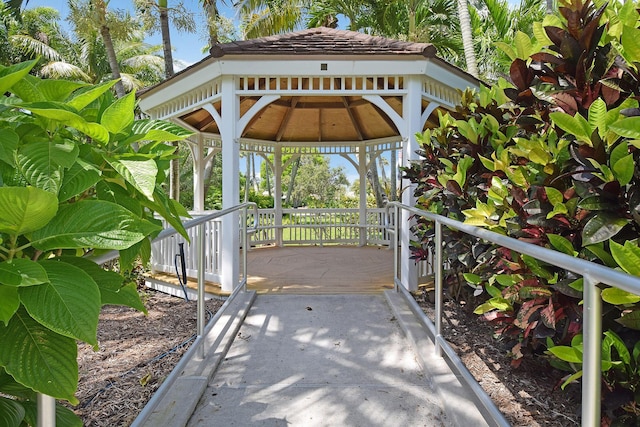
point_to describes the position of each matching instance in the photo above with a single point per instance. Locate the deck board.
(311, 270)
(320, 270)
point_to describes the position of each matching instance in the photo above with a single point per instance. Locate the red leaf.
(454, 187)
(566, 102)
(555, 34)
(610, 95)
(548, 315)
(519, 73)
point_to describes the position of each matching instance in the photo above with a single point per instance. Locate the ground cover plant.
(71, 184)
(550, 158)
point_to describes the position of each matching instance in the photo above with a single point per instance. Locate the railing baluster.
(438, 287)
(591, 362)
(201, 266)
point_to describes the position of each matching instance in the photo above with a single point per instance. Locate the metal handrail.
(592, 273)
(46, 404)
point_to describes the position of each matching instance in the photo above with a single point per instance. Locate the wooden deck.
(309, 270)
(320, 270)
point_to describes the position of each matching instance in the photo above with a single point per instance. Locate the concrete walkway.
(314, 360)
(319, 361)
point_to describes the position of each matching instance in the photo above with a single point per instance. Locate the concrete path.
(320, 360)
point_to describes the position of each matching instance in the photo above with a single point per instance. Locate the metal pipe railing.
(592, 273)
(46, 404)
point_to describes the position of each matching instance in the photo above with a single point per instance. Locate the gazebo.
(319, 90)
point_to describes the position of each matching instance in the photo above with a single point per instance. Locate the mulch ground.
(137, 352)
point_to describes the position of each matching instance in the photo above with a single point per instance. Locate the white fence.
(299, 227)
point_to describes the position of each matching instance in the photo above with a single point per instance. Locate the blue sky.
(187, 47)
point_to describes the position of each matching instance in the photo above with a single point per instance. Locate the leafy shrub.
(550, 159)
(70, 185)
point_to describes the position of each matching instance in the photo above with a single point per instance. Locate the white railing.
(593, 274)
(320, 226)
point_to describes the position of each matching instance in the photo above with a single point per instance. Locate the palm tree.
(467, 37)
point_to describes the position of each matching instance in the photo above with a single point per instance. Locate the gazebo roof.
(323, 41)
(312, 87)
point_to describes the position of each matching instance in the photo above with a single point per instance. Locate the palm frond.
(64, 70)
(33, 47)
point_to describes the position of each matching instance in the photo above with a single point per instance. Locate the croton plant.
(549, 157)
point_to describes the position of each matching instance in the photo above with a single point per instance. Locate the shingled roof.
(323, 41)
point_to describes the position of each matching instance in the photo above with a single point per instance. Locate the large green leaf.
(13, 74)
(628, 127)
(69, 304)
(11, 412)
(93, 224)
(119, 116)
(575, 125)
(9, 302)
(8, 385)
(158, 130)
(80, 177)
(561, 244)
(25, 209)
(597, 116)
(163, 206)
(141, 173)
(629, 39)
(58, 90)
(39, 358)
(630, 320)
(568, 354)
(110, 284)
(623, 169)
(37, 162)
(57, 112)
(602, 226)
(114, 193)
(617, 296)
(22, 272)
(627, 256)
(8, 145)
(85, 97)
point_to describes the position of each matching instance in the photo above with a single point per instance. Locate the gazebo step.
(169, 284)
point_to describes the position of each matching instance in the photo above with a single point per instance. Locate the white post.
(277, 193)
(230, 265)
(411, 113)
(362, 172)
(46, 411)
(198, 174)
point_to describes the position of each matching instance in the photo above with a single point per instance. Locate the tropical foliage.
(550, 158)
(70, 186)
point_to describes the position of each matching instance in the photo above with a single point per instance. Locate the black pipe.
(183, 280)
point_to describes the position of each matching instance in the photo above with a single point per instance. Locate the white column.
(411, 113)
(230, 263)
(198, 174)
(362, 173)
(277, 193)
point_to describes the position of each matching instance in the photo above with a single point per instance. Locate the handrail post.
(591, 362)
(395, 245)
(245, 216)
(46, 411)
(201, 266)
(438, 287)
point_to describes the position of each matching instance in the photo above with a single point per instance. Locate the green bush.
(550, 158)
(70, 185)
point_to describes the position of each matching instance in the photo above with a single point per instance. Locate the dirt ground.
(137, 353)
(529, 395)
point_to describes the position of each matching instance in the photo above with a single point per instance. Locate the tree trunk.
(211, 11)
(292, 181)
(374, 180)
(101, 10)
(467, 38)
(166, 39)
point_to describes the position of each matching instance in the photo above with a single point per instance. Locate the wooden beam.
(355, 123)
(286, 118)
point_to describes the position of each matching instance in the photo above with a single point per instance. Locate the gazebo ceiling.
(309, 119)
(319, 86)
